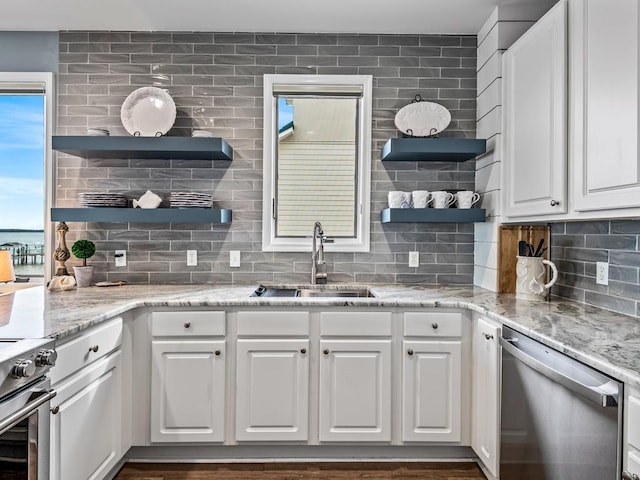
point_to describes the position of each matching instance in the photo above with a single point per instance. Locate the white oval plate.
(148, 112)
(422, 119)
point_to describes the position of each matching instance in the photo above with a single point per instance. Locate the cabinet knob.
(326, 351)
(187, 325)
(94, 349)
(554, 203)
(434, 326)
(55, 409)
(410, 352)
(303, 351)
(488, 336)
(626, 475)
(217, 352)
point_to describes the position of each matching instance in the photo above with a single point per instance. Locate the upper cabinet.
(535, 153)
(604, 54)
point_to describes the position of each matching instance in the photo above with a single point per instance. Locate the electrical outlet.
(414, 259)
(121, 258)
(602, 273)
(192, 258)
(234, 258)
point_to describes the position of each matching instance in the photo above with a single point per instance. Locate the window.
(317, 154)
(26, 172)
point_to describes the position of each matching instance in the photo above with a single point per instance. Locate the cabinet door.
(604, 53)
(86, 428)
(431, 391)
(187, 391)
(272, 390)
(535, 153)
(355, 390)
(486, 393)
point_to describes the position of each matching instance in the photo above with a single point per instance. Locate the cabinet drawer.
(190, 324)
(633, 422)
(359, 324)
(433, 324)
(87, 348)
(287, 323)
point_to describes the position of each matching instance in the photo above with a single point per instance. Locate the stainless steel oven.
(25, 395)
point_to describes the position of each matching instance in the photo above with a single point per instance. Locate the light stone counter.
(605, 340)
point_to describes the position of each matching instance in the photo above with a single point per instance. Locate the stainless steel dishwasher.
(560, 420)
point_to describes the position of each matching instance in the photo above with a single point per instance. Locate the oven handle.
(601, 395)
(43, 397)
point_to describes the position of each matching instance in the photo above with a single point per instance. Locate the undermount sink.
(308, 292)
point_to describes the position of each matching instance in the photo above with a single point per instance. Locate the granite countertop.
(605, 340)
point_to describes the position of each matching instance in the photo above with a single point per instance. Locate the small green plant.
(83, 249)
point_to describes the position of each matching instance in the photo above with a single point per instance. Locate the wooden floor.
(300, 471)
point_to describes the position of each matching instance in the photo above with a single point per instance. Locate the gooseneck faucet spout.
(318, 265)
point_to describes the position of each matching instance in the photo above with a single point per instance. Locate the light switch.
(192, 258)
(121, 258)
(234, 258)
(414, 259)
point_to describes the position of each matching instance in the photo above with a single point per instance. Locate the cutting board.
(510, 235)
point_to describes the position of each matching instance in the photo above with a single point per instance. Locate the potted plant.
(83, 249)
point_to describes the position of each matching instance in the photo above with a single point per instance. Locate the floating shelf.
(142, 215)
(182, 148)
(432, 149)
(433, 215)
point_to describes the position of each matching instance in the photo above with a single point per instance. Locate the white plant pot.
(84, 276)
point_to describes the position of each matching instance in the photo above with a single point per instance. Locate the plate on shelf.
(148, 112)
(422, 119)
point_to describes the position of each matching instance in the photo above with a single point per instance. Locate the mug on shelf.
(421, 198)
(406, 201)
(442, 199)
(395, 199)
(467, 199)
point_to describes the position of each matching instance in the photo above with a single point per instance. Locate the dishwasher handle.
(599, 395)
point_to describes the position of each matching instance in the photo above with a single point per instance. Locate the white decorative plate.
(422, 119)
(148, 112)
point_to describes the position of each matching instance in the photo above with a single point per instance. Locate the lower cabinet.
(431, 391)
(486, 393)
(272, 390)
(632, 432)
(355, 390)
(86, 422)
(187, 390)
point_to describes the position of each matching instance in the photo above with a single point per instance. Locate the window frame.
(361, 242)
(46, 80)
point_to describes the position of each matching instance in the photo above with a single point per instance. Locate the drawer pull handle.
(303, 351)
(488, 336)
(629, 476)
(410, 352)
(326, 351)
(94, 349)
(187, 325)
(434, 326)
(55, 409)
(217, 352)
(554, 203)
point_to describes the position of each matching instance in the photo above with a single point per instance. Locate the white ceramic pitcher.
(530, 275)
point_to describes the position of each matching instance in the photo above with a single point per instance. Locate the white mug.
(421, 198)
(442, 199)
(530, 275)
(467, 198)
(395, 199)
(406, 201)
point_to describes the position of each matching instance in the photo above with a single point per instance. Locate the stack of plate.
(190, 200)
(103, 200)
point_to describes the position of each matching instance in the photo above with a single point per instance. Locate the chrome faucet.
(318, 265)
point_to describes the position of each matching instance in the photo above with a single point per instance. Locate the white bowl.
(202, 134)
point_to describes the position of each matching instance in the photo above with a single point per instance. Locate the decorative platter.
(422, 119)
(148, 112)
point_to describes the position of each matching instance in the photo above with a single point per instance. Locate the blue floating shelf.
(181, 148)
(142, 215)
(432, 149)
(433, 215)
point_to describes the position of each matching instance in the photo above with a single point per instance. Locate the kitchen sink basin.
(309, 292)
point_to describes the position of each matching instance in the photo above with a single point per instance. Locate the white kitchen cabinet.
(86, 422)
(604, 61)
(486, 393)
(355, 390)
(534, 119)
(187, 390)
(632, 432)
(272, 390)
